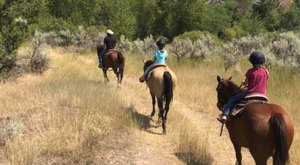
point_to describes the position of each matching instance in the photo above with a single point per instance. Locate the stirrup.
(222, 118)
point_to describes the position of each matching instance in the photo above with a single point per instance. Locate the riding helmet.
(257, 58)
(161, 44)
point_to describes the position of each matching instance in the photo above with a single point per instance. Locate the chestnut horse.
(161, 83)
(262, 127)
(112, 59)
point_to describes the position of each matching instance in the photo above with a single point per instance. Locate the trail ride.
(73, 89)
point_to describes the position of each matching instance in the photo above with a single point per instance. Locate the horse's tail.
(121, 59)
(277, 124)
(168, 87)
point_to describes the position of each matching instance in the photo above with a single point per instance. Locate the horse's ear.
(230, 78)
(218, 78)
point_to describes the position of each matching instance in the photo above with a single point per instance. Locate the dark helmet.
(257, 58)
(161, 44)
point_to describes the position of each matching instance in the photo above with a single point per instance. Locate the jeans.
(232, 101)
(149, 68)
(101, 57)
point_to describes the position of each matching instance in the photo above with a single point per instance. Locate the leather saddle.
(249, 99)
(154, 67)
(110, 51)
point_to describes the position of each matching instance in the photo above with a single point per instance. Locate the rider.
(159, 58)
(255, 81)
(109, 43)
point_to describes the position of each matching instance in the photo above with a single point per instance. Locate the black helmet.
(161, 44)
(257, 58)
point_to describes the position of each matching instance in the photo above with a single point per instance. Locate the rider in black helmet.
(159, 58)
(255, 81)
(257, 58)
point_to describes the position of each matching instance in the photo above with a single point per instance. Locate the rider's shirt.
(110, 42)
(160, 57)
(257, 80)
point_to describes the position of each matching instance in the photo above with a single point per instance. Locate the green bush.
(195, 35)
(229, 33)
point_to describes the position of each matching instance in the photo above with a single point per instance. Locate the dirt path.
(150, 147)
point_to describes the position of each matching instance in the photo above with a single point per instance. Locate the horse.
(161, 84)
(265, 129)
(112, 59)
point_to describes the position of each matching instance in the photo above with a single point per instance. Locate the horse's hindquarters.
(262, 128)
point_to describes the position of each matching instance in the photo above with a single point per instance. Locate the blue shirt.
(160, 57)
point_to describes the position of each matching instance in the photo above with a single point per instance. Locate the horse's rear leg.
(120, 76)
(105, 75)
(259, 155)
(238, 153)
(161, 114)
(153, 105)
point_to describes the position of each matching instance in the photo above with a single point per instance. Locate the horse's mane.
(232, 86)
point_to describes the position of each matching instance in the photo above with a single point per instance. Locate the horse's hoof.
(164, 132)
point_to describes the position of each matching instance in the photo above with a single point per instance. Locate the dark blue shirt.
(110, 42)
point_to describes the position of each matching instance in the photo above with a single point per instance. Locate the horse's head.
(225, 89)
(147, 64)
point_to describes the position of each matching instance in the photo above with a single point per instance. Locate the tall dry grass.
(66, 116)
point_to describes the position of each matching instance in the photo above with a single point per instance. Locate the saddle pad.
(257, 96)
(239, 108)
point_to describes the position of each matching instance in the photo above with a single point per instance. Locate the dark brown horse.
(263, 128)
(161, 84)
(112, 59)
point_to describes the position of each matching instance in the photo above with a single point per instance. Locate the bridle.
(220, 96)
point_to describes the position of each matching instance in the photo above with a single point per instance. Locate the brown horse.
(112, 59)
(263, 128)
(161, 83)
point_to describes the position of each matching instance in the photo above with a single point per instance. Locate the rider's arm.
(104, 43)
(245, 82)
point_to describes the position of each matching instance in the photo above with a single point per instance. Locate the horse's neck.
(234, 89)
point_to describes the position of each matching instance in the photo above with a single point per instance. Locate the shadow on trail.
(189, 159)
(143, 122)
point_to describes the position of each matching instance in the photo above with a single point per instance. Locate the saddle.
(110, 51)
(154, 67)
(249, 99)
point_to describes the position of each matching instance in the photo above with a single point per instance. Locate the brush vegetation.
(66, 115)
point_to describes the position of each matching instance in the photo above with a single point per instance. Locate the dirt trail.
(150, 147)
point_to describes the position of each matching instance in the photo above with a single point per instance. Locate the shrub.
(39, 62)
(229, 33)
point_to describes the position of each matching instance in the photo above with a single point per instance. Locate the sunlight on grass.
(67, 114)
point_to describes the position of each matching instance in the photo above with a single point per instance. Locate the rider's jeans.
(232, 101)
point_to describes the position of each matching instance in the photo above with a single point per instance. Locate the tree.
(120, 17)
(215, 18)
(145, 13)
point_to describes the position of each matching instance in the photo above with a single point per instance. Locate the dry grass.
(67, 115)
